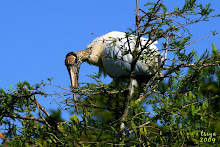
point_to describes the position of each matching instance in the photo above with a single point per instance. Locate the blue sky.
(36, 35)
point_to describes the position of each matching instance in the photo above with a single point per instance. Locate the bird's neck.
(84, 54)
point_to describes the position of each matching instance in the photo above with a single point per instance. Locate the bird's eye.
(76, 60)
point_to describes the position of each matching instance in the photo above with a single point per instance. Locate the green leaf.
(74, 119)
(74, 128)
(214, 49)
(164, 8)
(192, 108)
(52, 138)
(133, 126)
(11, 89)
(114, 129)
(149, 4)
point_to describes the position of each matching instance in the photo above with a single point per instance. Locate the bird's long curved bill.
(73, 76)
(74, 81)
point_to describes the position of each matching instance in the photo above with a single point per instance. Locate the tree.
(183, 111)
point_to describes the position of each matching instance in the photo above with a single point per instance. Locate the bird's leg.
(132, 86)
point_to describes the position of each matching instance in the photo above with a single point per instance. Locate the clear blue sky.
(35, 35)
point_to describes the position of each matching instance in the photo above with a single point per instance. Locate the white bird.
(110, 53)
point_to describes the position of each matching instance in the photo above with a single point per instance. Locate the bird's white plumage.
(111, 53)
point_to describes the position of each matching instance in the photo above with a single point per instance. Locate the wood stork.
(110, 53)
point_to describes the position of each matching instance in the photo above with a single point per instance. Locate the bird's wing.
(116, 58)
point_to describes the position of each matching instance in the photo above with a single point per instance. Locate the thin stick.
(138, 17)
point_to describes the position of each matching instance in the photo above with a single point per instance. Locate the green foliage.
(185, 105)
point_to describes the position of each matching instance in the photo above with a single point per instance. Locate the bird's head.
(73, 64)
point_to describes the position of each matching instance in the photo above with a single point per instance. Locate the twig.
(138, 17)
(200, 39)
(199, 101)
(142, 113)
(148, 93)
(36, 102)
(55, 137)
(41, 108)
(94, 106)
(57, 86)
(28, 118)
(89, 142)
